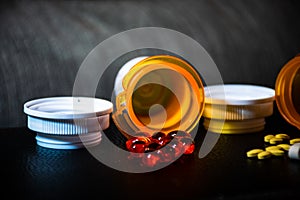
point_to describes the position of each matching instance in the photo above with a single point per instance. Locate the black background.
(42, 44)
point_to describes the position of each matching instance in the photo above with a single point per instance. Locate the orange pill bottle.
(287, 91)
(157, 93)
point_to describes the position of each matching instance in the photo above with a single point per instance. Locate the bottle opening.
(163, 103)
(161, 93)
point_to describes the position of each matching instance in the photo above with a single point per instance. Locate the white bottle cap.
(67, 107)
(68, 122)
(294, 151)
(238, 94)
(68, 142)
(242, 108)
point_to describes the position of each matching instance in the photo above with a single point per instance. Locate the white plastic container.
(68, 122)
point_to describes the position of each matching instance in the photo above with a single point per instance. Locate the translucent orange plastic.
(161, 93)
(287, 91)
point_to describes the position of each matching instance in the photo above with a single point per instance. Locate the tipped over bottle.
(157, 93)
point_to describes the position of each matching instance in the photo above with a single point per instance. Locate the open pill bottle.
(287, 98)
(157, 93)
(287, 91)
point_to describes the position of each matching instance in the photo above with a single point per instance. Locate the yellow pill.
(275, 140)
(294, 141)
(285, 147)
(268, 137)
(276, 152)
(264, 155)
(270, 148)
(282, 136)
(254, 152)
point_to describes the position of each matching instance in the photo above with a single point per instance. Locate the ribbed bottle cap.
(68, 122)
(234, 126)
(242, 108)
(69, 141)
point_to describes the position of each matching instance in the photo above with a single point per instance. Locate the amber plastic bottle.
(287, 91)
(157, 93)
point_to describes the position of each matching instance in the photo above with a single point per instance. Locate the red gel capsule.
(188, 145)
(138, 148)
(150, 160)
(161, 143)
(168, 154)
(152, 146)
(186, 140)
(190, 149)
(177, 134)
(137, 144)
(158, 136)
(178, 147)
(171, 135)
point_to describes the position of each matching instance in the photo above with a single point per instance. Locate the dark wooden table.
(29, 171)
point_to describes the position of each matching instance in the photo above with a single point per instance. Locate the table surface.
(30, 171)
